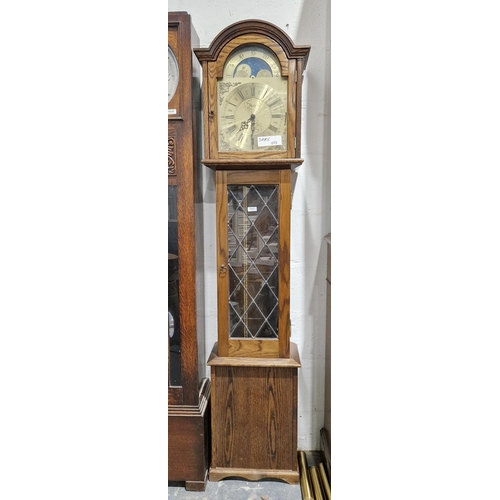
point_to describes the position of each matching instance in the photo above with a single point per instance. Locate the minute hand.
(252, 129)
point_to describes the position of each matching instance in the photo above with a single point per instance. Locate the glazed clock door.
(253, 210)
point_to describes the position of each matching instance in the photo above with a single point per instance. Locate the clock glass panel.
(173, 74)
(174, 337)
(252, 102)
(253, 236)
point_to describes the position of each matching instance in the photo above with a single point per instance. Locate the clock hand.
(243, 126)
(252, 129)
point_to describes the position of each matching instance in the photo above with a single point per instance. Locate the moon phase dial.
(252, 61)
(252, 117)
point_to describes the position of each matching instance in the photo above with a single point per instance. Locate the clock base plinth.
(197, 485)
(218, 473)
(188, 441)
(254, 417)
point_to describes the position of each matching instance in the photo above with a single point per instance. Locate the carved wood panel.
(172, 168)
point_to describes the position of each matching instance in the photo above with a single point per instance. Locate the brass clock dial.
(252, 102)
(252, 117)
(173, 74)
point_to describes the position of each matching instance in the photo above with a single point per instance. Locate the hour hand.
(244, 125)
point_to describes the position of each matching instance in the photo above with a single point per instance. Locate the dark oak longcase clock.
(188, 390)
(252, 90)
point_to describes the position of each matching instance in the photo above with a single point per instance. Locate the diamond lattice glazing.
(253, 260)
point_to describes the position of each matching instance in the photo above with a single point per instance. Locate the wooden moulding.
(193, 410)
(249, 164)
(188, 441)
(292, 362)
(255, 27)
(218, 473)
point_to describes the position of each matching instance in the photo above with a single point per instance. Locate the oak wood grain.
(222, 262)
(293, 131)
(256, 27)
(254, 419)
(188, 410)
(261, 163)
(218, 473)
(260, 348)
(189, 439)
(284, 264)
(292, 59)
(254, 347)
(215, 359)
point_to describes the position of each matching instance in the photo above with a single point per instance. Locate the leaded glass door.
(254, 263)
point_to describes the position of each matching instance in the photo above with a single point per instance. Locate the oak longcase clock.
(188, 389)
(252, 91)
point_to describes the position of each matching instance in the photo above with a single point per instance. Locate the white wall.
(311, 196)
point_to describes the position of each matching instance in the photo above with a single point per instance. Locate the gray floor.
(240, 489)
(234, 489)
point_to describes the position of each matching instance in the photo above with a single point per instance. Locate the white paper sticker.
(252, 209)
(270, 140)
(172, 111)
